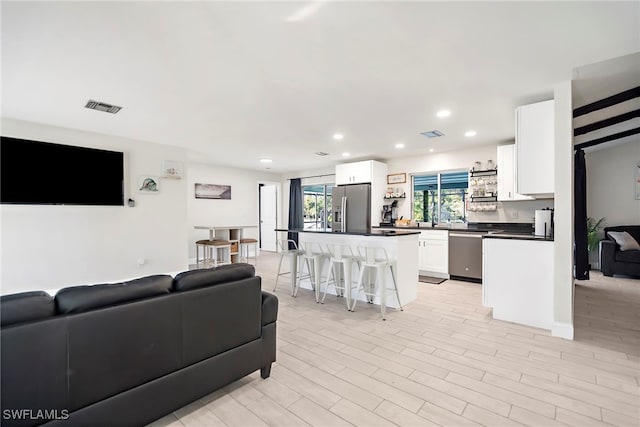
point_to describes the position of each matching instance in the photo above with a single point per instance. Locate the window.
(440, 197)
(317, 206)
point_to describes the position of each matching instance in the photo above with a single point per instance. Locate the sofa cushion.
(628, 256)
(121, 347)
(78, 299)
(218, 318)
(625, 240)
(33, 372)
(25, 307)
(213, 276)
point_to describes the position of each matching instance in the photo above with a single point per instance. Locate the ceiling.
(594, 83)
(235, 82)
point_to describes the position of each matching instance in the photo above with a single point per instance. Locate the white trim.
(562, 330)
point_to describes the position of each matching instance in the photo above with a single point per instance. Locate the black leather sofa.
(613, 260)
(127, 354)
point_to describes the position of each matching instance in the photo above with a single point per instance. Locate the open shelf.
(487, 172)
(484, 198)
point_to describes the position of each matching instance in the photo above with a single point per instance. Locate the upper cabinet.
(506, 158)
(357, 172)
(534, 149)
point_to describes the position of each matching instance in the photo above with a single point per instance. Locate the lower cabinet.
(433, 253)
(518, 281)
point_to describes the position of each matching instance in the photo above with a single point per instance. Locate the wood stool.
(212, 247)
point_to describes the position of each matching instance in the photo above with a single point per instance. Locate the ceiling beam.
(606, 122)
(607, 138)
(607, 102)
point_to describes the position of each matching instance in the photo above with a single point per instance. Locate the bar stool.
(212, 247)
(244, 250)
(313, 257)
(293, 255)
(341, 256)
(377, 258)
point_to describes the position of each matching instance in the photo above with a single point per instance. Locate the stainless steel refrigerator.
(352, 208)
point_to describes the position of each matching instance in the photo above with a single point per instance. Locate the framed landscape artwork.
(213, 191)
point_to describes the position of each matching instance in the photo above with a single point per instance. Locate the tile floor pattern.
(443, 361)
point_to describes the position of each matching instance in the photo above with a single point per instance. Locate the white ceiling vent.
(102, 106)
(432, 134)
(321, 153)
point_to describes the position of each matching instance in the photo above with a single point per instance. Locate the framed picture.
(397, 178)
(148, 184)
(213, 191)
(171, 169)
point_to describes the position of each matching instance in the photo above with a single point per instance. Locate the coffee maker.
(389, 214)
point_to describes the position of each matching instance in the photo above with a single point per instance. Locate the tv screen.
(34, 172)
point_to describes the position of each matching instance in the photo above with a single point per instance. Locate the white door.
(268, 217)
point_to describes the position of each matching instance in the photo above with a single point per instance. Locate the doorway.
(268, 214)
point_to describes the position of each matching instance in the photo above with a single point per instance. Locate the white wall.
(48, 247)
(520, 211)
(241, 209)
(563, 231)
(611, 186)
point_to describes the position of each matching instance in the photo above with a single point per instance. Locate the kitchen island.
(400, 245)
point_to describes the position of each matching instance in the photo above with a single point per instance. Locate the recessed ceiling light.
(338, 136)
(345, 154)
(266, 160)
(470, 133)
(443, 113)
(431, 150)
(399, 145)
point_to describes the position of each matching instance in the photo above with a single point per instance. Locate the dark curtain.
(296, 219)
(580, 217)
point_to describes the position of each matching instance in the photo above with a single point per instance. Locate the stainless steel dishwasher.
(465, 256)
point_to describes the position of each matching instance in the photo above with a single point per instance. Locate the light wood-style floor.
(443, 361)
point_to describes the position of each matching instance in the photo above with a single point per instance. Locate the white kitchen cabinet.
(535, 127)
(517, 280)
(433, 253)
(355, 173)
(507, 173)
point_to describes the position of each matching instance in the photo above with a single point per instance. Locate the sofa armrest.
(607, 256)
(269, 308)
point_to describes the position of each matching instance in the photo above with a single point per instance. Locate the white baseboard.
(562, 330)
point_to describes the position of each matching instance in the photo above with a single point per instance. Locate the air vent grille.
(432, 134)
(102, 106)
(321, 153)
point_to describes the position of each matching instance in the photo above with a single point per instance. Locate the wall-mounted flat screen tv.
(42, 173)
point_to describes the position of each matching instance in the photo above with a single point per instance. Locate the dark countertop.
(384, 232)
(520, 228)
(516, 236)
